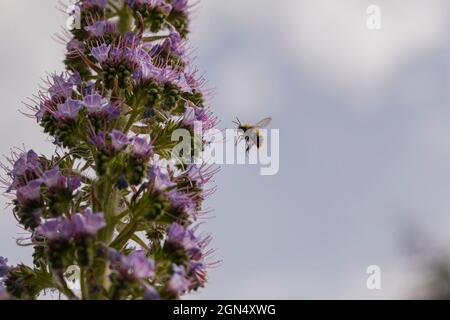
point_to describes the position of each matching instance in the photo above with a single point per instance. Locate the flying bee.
(251, 133)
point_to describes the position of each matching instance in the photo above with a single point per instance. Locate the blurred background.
(365, 141)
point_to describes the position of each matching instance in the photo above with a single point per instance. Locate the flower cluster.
(42, 189)
(68, 241)
(113, 201)
(80, 225)
(184, 245)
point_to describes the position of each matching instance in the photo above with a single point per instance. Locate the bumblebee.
(251, 133)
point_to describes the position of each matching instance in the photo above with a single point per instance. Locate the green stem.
(107, 197)
(125, 235)
(136, 110)
(154, 38)
(47, 282)
(131, 121)
(122, 215)
(124, 19)
(110, 208)
(84, 290)
(140, 242)
(63, 286)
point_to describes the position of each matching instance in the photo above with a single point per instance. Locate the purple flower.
(4, 268)
(191, 82)
(65, 229)
(177, 234)
(185, 239)
(99, 140)
(150, 4)
(36, 215)
(27, 162)
(161, 181)
(122, 183)
(49, 229)
(145, 68)
(60, 87)
(101, 52)
(131, 39)
(180, 5)
(141, 148)
(195, 114)
(56, 229)
(29, 193)
(142, 56)
(94, 3)
(119, 140)
(146, 71)
(166, 75)
(117, 54)
(74, 183)
(93, 103)
(113, 256)
(27, 167)
(189, 117)
(111, 110)
(69, 110)
(178, 284)
(125, 55)
(174, 43)
(161, 4)
(97, 29)
(54, 179)
(201, 175)
(88, 88)
(207, 119)
(75, 78)
(183, 202)
(97, 105)
(42, 110)
(151, 294)
(88, 223)
(137, 266)
(75, 45)
(197, 274)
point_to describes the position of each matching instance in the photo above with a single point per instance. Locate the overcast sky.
(364, 118)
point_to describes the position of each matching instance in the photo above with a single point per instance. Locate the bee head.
(245, 127)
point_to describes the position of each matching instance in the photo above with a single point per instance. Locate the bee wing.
(263, 123)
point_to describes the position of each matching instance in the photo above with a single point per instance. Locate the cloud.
(330, 38)
(256, 47)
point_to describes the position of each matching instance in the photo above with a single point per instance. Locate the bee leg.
(239, 139)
